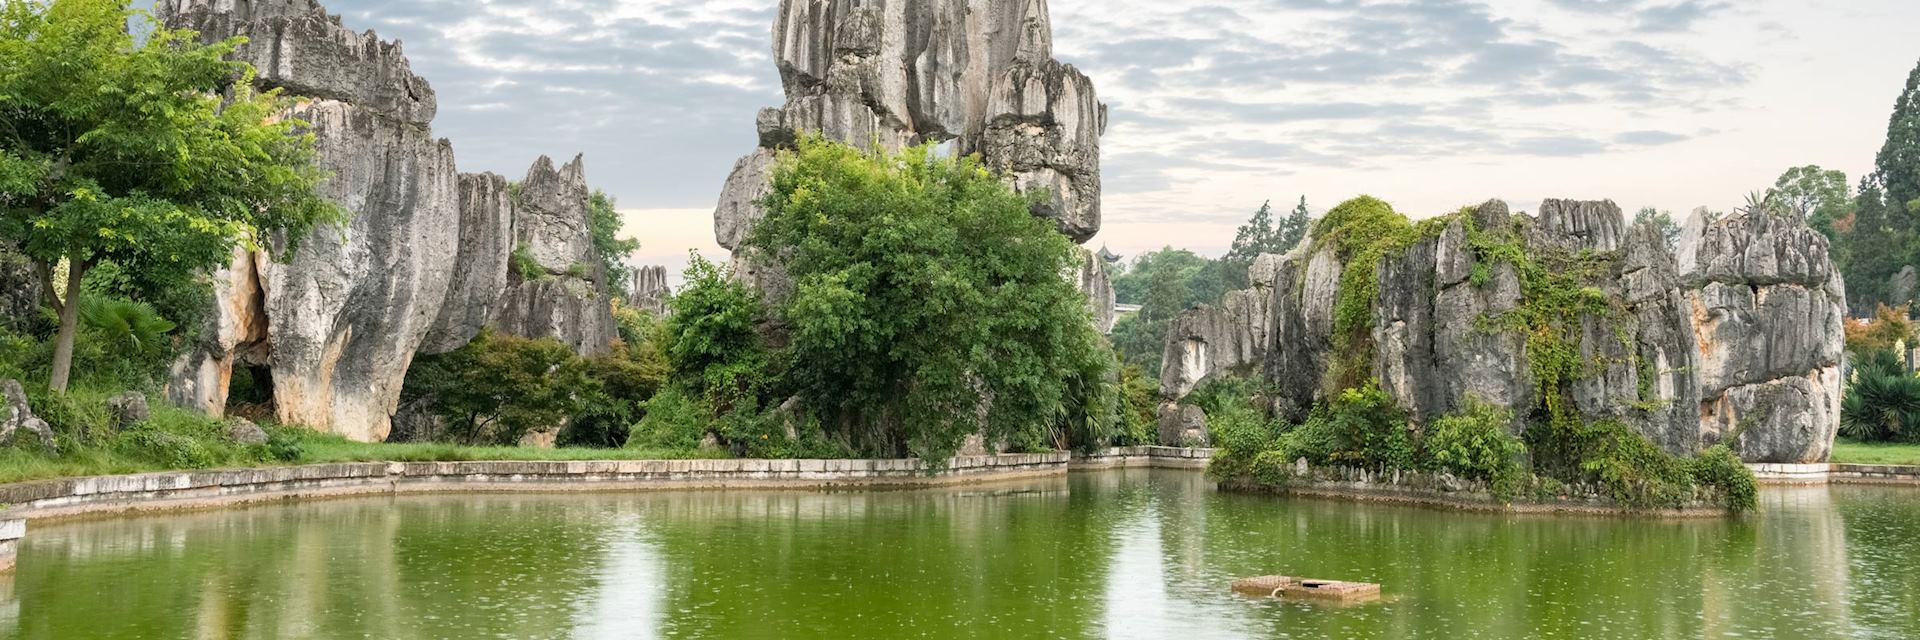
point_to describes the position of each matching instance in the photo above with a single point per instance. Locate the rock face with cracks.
(650, 292)
(421, 266)
(1735, 337)
(978, 73)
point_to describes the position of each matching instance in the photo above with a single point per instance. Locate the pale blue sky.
(1218, 105)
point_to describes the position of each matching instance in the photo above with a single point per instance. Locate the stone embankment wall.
(1443, 490)
(1836, 474)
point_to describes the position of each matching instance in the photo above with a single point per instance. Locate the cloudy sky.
(1218, 105)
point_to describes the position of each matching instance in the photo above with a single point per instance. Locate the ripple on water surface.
(1121, 554)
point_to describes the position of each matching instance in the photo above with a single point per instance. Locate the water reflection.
(1123, 554)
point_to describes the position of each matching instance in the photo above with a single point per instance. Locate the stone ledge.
(1836, 473)
(1153, 457)
(1444, 491)
(74, 497)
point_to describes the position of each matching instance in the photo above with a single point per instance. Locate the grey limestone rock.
(20, 294)
(1183, 426)
(16, 416)
(650, 292)
(244, 431)
(893, 73)
(419, 268)
(1902, 286)
(479, 276)
(569, 301)
(128, 409)
(1092, 279)
(1736, 339)
(1768, 308)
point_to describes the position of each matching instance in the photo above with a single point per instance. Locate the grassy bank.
(1857, 452)
(176, 440)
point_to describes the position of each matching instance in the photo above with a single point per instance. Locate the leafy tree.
(154, 153)
(499, 387)
(611, 250)
(1819, 196)
(1262, 235)
(925, 289)
(714, 345)
(1662, 219)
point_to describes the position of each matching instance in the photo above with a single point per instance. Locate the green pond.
(1118, 554)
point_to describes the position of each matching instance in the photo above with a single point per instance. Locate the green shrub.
(167, 449)
(675, 420)
(1476, 444)
(1719, 467)
(1360, 427)
(1237, 428)
(525, 266)
(1882, 402)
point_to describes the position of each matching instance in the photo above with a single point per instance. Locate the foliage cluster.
(1889, 329)
(1882, 400)
(498, 388)
(928, 306)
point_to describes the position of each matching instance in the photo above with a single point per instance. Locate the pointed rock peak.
(576, 169)
(1036, 34)
(542, 167)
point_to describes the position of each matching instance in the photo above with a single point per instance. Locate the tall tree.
(1897, 167)
(1295, 227)
(120, 149)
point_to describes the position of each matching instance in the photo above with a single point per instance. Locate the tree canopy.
(930, 305)
(155, 153)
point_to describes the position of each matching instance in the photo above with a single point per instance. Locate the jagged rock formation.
(1737, 336)
(1903, 285)
(1091, 278)
(650, 292)
(420, 268)
(566, 299)
(16, 416)
(980, 73)
(1767, 307)
(20, 295)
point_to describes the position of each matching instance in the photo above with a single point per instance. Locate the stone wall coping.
(1836, 473)
(73, 497)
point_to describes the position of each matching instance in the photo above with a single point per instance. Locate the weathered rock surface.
(128, 409)
(894, 73)
(1767, 308)
(568, 301)
(20, 294)
(479, 277)
(1736, 337)
(16, 417)
(1093, 279)
(1183, 426)
(650, 292)
(1902, 286)
(420, 268)
(244, 431)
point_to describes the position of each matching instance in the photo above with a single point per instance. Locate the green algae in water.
(1121, 554)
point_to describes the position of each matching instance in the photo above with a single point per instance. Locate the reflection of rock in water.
(1804, 532)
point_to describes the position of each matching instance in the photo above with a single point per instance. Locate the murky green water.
(1132, 554)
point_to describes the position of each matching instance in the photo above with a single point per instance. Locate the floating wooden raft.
(1277, 586)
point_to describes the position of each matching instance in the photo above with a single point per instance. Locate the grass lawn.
(21, 465)
(1856, 452)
